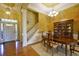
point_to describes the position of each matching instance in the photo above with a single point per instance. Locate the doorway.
(8, 30)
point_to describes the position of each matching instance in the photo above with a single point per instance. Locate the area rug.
(42, 51)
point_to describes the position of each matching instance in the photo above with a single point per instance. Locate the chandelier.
(53, 13)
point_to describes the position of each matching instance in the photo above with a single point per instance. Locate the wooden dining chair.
(51, 44)
(47, 39)
(44, 38)
(74, 48)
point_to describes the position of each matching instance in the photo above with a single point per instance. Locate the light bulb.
(56, 14)
(52, 15)
(7, 12)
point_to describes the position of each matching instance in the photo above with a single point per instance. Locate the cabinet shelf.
(64, 28)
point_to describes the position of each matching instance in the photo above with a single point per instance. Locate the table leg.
(70, 50)
(61, 45)
(73, 48)
(66, 49)
(52, 51)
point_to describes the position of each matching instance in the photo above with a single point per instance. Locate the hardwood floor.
(15, 49)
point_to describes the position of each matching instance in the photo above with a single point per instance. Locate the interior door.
(9, 32)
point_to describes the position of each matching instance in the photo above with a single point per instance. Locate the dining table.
(66, 42)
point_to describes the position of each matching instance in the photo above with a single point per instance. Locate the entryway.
(8, 30)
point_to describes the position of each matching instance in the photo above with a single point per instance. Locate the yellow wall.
(13, 14)
(19, 18)
(44, 22)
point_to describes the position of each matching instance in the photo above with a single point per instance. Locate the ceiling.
(49, 5)
(44, 8)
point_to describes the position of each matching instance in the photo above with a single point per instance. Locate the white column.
(24, 27)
